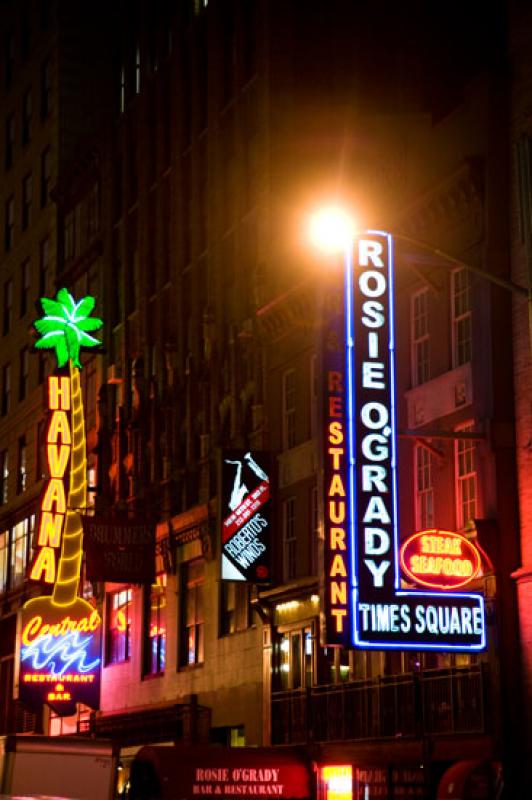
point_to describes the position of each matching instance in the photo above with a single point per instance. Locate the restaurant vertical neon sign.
(377, 613)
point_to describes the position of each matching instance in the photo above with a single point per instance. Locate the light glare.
(332, 229)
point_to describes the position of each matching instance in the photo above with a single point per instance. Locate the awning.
(466, 780)
(188, 773)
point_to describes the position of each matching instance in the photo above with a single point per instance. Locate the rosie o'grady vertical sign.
(364, 603)
(245, 516)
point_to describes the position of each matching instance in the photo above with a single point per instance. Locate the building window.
(4, 476)
(8, 307)
(155, 627)
(420, 337)
(315, 530)
(44, 265)
(9, 229)
(466, 479)
(289, 409)
(21, 537)
(137, 69)
(192, 643)
(424, 489)
(9, 59)
(293, 659)
(289, 539)
(461, 316)
(46, 177)
(122, 89)
(27, 199)
(46, 87)
(73, 724)
(70, 236)
(4, 560)
(10, 141)
(25, 274)
(26, 117)
(6, 388)
(119, 626)
(23, 373)
(234, 607)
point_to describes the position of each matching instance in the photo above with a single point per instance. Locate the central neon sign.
(364, 603)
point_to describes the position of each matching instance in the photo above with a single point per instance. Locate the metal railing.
(434, 702)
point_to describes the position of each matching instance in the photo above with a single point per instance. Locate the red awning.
(190, 773)
(465, 780)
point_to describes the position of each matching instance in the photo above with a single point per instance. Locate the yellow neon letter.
(57, 459)
(55, 493)
(59, 392)
(45, 562)
(50, 529)
(59, 426)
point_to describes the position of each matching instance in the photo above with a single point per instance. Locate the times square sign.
(365, 604)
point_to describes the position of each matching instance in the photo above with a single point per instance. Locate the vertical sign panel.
(245, 516)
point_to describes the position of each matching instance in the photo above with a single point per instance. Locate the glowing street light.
(332, 229)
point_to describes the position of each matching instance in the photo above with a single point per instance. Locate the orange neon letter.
(59, 392)
(336, 487)
(337, 539)
(45, 562)
(338, 567)
(59, 426)
(339, 614)
(336, 511)
(339, 593)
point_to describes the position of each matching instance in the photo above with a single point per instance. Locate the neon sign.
(440, 559)
(364, 603)
(338, 782)
(61, 633)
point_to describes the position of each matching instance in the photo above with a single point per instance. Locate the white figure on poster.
(240, 490)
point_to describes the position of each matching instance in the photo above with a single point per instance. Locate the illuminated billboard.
(245, 516)
(60, 633)
(363, 599)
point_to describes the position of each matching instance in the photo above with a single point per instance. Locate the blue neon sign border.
(351, 465)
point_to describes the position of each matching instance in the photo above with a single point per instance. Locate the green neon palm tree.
(65, 328)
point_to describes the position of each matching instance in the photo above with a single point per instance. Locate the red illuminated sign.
(337, 782)
(440, 559)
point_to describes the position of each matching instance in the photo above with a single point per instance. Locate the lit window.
(22, 470)
(466, 479)
(289, 539)
(4, 560)
(4, 476)
(424, 489)
(294, 659)
(420, 337)
(461, 316)
(289, 409)
(74, 724)
(192, 644)
(21, 536)
(234, 607)
(27, 200)
(155, 628)
(119, 626)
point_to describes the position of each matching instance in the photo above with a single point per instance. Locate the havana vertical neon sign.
(364, 604)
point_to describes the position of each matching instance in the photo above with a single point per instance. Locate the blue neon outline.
(351, 460)
(355, 638)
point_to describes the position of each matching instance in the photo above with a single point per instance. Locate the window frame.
(461, 320)
(289, 409)
(424, 488)
(113, 654)
(461, 449)
(192, 586)
(420, 337)
(289, 562)
(161, 653)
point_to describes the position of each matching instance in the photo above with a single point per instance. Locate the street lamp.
(332, 230)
